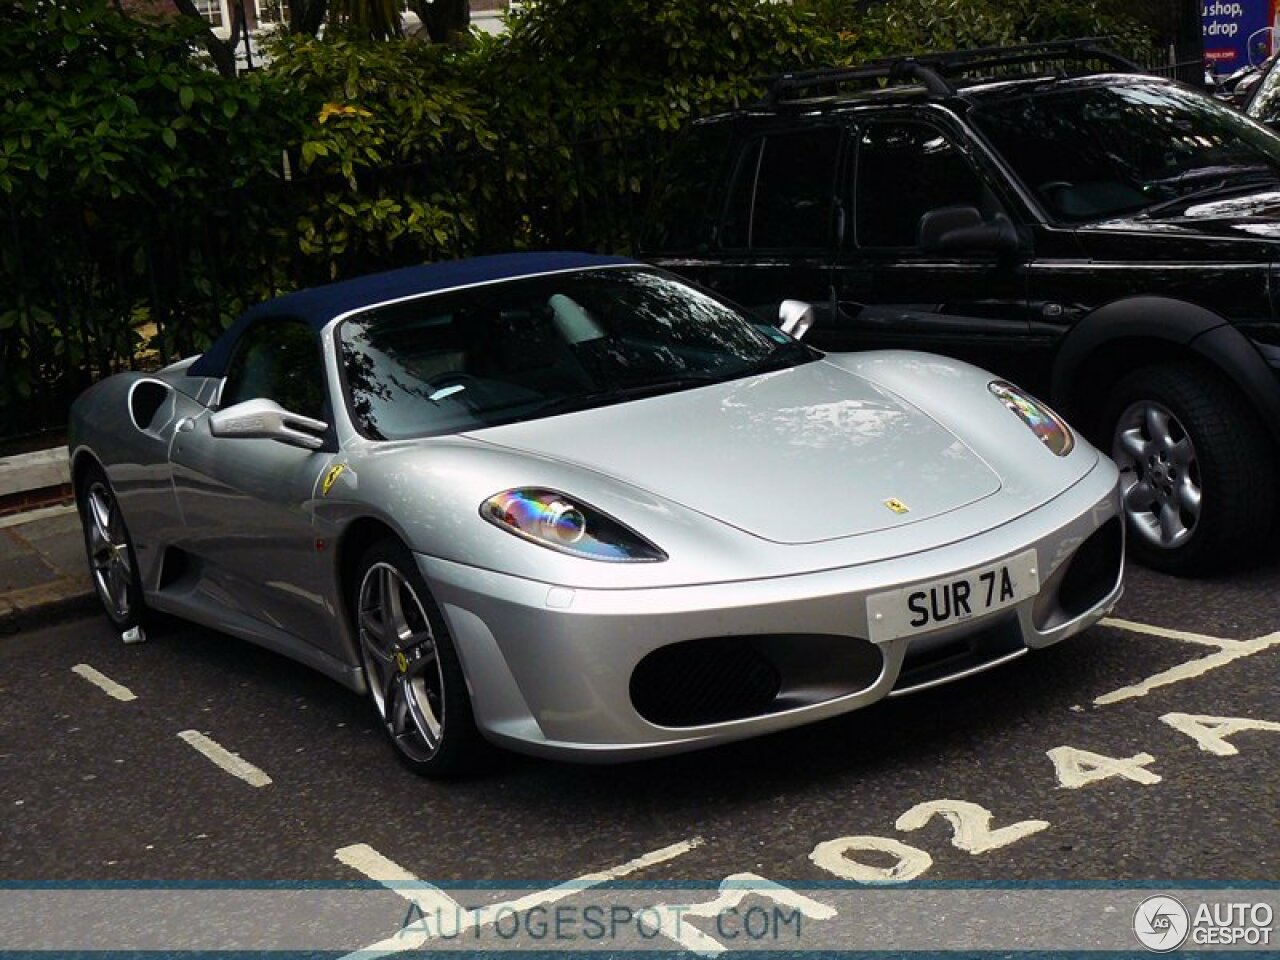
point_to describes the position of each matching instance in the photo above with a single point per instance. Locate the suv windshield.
(1093, 152)
(523, 349)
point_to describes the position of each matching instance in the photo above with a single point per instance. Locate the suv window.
(904, 170)
(278, 360)
(1096, 152)
(783, 192)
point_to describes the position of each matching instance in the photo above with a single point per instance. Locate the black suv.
(1107, 239)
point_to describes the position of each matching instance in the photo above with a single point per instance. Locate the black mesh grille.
(1093, 569)
(704, 681)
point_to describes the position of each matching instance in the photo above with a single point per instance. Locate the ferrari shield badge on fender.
(331, 477)
(893, 503)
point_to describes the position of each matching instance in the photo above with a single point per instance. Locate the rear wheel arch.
(83, 465)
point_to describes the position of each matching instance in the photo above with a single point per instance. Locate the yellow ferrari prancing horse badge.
(896, 505)
(331, 478)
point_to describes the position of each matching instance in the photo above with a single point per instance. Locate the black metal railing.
(86, 291)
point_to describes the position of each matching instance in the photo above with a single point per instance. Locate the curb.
(34, 471)
(45, 605)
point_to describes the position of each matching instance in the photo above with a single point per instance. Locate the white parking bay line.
(1228, 651)
(1164, 632)
(222, 757)
(104, 683)
(364, 859)
(434, 902)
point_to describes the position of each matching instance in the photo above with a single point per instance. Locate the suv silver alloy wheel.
(1160, 476)
(402, 661)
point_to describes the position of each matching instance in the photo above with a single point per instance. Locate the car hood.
(1253, 216)
(802, 455)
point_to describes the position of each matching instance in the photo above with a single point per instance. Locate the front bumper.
(550, 668)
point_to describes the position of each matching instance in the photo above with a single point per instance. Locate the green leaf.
(70, 42)
(169, 137)
(230, 108)
(186, 97)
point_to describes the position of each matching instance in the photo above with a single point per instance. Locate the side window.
(783, 192)
(278, 360)
(904, 170)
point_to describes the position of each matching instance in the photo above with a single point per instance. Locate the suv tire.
(1198, 472)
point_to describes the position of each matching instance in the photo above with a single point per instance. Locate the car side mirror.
(263, 419)
(961, 229)
(795, 317)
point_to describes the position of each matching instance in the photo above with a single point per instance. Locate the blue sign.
(1236, 32)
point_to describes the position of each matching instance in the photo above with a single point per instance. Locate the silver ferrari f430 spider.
(575, 506)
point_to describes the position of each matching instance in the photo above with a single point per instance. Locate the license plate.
(952, 599)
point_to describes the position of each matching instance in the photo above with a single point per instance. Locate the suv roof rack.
(931, 70)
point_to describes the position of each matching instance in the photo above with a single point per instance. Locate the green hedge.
(147, 199)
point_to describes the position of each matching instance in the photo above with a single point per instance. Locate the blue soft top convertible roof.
(318, 305)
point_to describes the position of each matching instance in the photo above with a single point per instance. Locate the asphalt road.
(99, 788)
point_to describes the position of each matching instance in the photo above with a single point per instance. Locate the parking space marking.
(1228, 652)
(223, 758)
(364, 859)
(1210, 733)
(1164, 632)
(104, 683)
(432, 902)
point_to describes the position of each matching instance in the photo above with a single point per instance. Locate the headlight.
(1044, 423)
(553, 520)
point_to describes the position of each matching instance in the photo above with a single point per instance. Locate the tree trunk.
(223, 55)
(444, 20)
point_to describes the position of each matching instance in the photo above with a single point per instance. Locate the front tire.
(1198, 472)
(413, 671)
(113, 566)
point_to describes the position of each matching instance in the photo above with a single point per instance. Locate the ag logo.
(1161, 923)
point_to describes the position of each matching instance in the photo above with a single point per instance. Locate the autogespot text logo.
(1161, 923)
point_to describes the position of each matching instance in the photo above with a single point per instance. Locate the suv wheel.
(1198, 472)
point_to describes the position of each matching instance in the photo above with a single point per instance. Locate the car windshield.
(1094, 152)
(530, 348)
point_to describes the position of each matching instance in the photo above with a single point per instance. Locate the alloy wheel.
(110, 557)
(402, 661)
(1159, 474)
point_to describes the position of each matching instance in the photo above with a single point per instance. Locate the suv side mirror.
(961, 229)
(263, 419)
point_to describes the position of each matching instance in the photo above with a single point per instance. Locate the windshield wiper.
(1232, 179)
(784, 355)
(638, 391)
